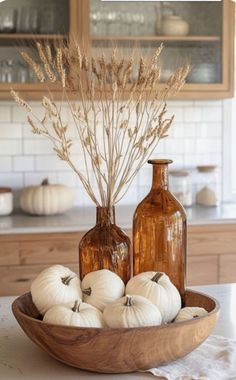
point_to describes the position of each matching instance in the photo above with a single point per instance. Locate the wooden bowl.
(118, 350)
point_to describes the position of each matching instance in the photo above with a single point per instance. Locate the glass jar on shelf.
(22, 72)
(8, 17)
(7, 71)
(181, 186)
(208, 186)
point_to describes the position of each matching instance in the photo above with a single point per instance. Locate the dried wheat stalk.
(116, 135)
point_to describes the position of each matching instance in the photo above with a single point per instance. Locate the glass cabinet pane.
(191, 32)
(33, 16)
(22, 22)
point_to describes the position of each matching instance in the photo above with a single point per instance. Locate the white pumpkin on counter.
(46, 199)
(75, 313)
(102, 287)
(132, 311)
(54, 286)
(192, 312)
(157, 288)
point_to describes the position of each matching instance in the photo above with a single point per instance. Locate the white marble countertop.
(83, 218)
(21, 359)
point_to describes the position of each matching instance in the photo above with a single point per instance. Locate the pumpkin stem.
(157, 277)
(87, 291)
(76, 307)
(45, 182)
(66, 280)
(128, 301)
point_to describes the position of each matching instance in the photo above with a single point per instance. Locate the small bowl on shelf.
(118, 350)
(204, 73)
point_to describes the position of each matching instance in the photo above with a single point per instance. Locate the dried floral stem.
(116, 135)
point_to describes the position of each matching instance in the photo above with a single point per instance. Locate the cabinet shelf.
(31, 37)
(157, 38)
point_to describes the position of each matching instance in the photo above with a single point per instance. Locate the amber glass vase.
(105, 246)
(159, 230)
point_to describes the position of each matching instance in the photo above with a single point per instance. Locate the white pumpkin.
(132, 311)
(192, 312)
(102, 287)
(157, 288)
(75, 313)
(53, 286)
(46, 199)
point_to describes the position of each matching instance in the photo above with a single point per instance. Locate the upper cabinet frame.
(79, 29)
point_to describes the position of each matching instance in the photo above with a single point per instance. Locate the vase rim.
(105, 207)
(160, 161)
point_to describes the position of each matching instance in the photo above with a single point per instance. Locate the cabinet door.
(23, 23)
(196, 32)
(227, 268)
(202, 270)
(16, 280)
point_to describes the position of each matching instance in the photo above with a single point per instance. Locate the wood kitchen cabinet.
(211, 256)
(99, 26)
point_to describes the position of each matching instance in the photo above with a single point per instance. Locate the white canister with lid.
(208, 186)
(172, 25)
(6, 201)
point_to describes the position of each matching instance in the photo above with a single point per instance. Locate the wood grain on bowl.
(118, 350)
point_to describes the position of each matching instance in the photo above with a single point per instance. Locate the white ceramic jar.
(6, 201)
(208, 186)
(172, 25)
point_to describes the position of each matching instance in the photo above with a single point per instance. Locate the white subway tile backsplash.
(5, 114)
(189, 130)
(142, 192)
(13, 180)
(131, 197)
(208, 103)
(26, 159)
(34, 178)
(68, 179)
(19, 115)
(207, 130)
(51, 163)
(212, 114)
(10, 147)
(177, 130)
(10, 131)
(174, 146)
(189, 146)
(82, 198)
(190, 160)
(192, 114)
(177, 160)
(5, 164)
(201, 146)
(23, 163)
(27, 131)
(144, 177)
(38, 146)
(177, 112)
(214, 145)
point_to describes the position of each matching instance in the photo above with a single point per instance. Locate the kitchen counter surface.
(20, 359)
(83, 218)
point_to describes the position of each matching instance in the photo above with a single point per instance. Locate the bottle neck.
(160, 176)
(105, 215)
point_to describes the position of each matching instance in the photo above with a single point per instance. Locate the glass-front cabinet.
(23, 23)
(197, 32)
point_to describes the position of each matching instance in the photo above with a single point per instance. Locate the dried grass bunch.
(119, 113)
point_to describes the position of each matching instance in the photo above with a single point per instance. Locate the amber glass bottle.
(105, 246)
(159, 230)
